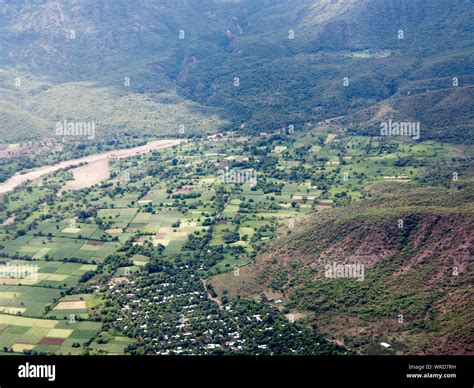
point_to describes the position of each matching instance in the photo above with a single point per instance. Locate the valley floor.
(165, 256)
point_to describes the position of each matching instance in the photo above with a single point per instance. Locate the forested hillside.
(259, 65)
(416, 249)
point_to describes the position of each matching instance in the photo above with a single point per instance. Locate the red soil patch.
(324, 206)
(52, 341)
(119, 280)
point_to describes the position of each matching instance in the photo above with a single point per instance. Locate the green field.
(174, 205)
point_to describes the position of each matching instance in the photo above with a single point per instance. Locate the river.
(20, 179)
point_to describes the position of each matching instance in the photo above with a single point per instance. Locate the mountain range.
(177, 63)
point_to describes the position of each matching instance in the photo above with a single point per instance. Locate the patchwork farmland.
(130, 264)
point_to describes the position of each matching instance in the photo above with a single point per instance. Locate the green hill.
(415, 246)
(296, 61)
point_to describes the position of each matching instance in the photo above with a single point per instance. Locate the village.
(129, 256)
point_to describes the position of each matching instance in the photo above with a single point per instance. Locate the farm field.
(189, 213)
(237, 178)
(21, 334)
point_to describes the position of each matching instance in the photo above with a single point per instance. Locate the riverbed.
(20, 179)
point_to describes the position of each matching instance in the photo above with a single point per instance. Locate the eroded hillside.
(416, 249)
